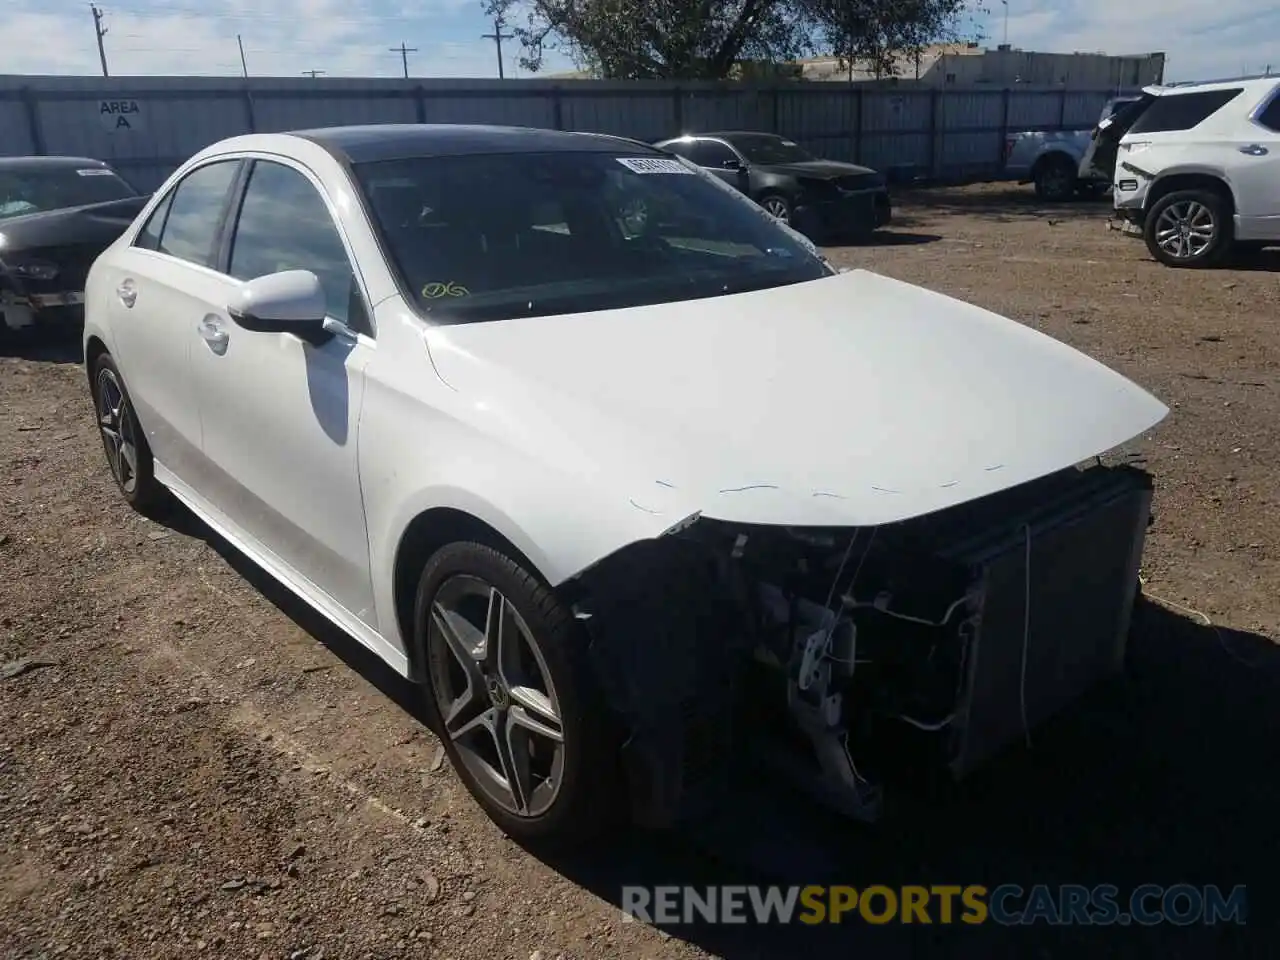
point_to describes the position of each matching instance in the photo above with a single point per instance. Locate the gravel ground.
(200, 767)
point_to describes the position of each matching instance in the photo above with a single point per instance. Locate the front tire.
(1188, 228)
(126, 447)
(510, 692)
(777, 206)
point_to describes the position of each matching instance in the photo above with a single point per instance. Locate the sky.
(1202, 38)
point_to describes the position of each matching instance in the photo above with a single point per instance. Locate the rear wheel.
(1055, 179)
(128, 454)
(510, 692)
(1188, 228)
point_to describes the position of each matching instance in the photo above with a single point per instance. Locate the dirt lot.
(205, 769)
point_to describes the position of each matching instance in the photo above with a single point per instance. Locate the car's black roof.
(728, 134)
(48, 163)
(397, 141)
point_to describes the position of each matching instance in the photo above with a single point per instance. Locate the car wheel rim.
(1185, 229)
(118, 437)
(1056, 182)
(496, 698)
(776, 207)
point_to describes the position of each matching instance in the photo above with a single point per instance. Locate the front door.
(279, 415)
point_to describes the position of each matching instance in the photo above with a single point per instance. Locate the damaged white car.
(617, 469)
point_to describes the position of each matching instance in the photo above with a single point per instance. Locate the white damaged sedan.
(615, 467)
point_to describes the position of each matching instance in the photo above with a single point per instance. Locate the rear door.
(158, 290)
(1255, 173)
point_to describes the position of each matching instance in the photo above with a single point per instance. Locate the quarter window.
(194, 214)
(1270, 116)
(149, 236)
(284, 224)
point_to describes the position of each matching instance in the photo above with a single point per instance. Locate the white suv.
(1196, 168)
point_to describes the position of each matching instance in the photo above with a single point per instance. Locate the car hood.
(849, 400)
(95, 223)
(816, 169)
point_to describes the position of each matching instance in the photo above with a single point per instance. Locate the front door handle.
(1254, 150)
(214, 334)
(127, 292)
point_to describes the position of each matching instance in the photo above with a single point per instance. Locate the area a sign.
(120, 116)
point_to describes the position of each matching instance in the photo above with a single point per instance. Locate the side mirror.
(291, 301)
(734, 165)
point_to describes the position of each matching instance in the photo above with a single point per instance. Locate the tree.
(877, 32)
(658, 39)
(704, 39)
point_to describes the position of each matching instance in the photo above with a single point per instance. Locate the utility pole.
(244, 64)
(1006, 23)
(404, 55)
(101, 32)
(312, 73)
(497, 37)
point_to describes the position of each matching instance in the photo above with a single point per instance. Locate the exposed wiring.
(928, 727)
(881, 603)
(1026, 636)
(1204, 617)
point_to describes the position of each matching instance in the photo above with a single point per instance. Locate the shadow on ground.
(1001, 203)
(889, 237)
(46, 348)
(1170, 777)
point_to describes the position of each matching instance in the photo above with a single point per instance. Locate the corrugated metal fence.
(147, 126)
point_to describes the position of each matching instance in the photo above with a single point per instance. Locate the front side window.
(712, 153)
(764, 149)
(535, 234)
(284, 224)
(38, 188)
(190, 230)
(1182, 111)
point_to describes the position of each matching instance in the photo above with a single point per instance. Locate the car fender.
(421, 449)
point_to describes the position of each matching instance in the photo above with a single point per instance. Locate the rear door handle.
(127, 292)
(1254, 150)
(214, 334)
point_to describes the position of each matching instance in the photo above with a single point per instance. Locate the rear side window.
(195, 213)
(1270, 116)
(1182, 111)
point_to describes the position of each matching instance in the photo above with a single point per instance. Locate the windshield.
(762, 148)
(35, 189)
(535, 234)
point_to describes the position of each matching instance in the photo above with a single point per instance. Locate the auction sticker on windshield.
(653, 165)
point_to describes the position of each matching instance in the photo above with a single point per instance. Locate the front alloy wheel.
(499, 705)
(508, 687)
(776, 207)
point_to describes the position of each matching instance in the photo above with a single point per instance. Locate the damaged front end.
(845, 656)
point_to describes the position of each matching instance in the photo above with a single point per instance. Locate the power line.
(244, 64)
(101, 32)
(404, 55)
(497, 37)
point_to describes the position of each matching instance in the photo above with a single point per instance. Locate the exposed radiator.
(1045, 634)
